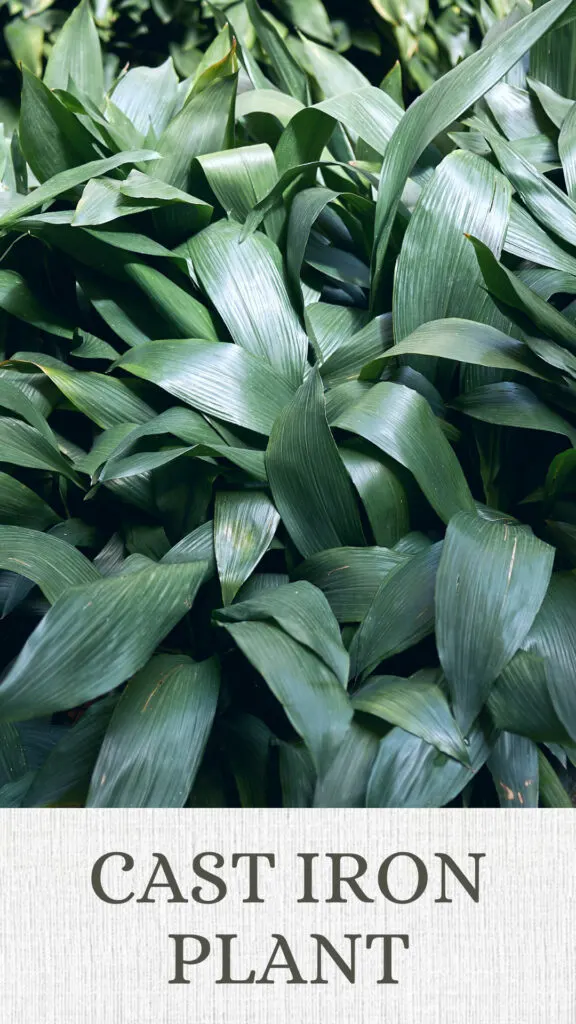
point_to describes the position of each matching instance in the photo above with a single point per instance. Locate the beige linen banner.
(425, 930)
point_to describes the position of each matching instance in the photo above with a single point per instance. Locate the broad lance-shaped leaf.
(184, 314)
(240, 178)
(512, 405)
(303, 612)
(245, 283)
(545, 200)
(345, 782)
(247, 741)
(106, 400)
(292, 77)
(17, 299)
(148, 96)
(221, 380)
(313, 698)
(509, 288)
(202, 126)
(296, 775)
(244, 525)
(349, 577)
(514, 767)
(367, 112)
(21, 506)
(567, 150)
(520, 702)
(63, 182)
(23, 445)
(445, 102)
(436, 275)
(356, 349)
(53, 139)
(553, 638)
(95, 637)
(67, 770)
(552, 792)
(309, 483)
(52, 563)
(401, 423)
(16, 399)
(408, 772)
(527, 239)
(382, 494)
(492, 578)
(466, 342)
(401, 613)
(417, 706)
(330, 327)
(13, 764)
(156, 738)
(76, 55)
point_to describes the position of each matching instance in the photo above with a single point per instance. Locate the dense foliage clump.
(288, 413)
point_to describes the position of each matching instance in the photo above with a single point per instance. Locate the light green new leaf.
(245, 283)
(155, 741)
(221, 380)
(244, 525)
(367, 112)
(401, 423)
(309, 483)
(53, 564)
(313, 698)
(303, 612)
(492, 578)
(95, 637)
(415, 705)
(76, 56)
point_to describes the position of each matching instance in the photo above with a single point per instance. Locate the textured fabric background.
(67, 958)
